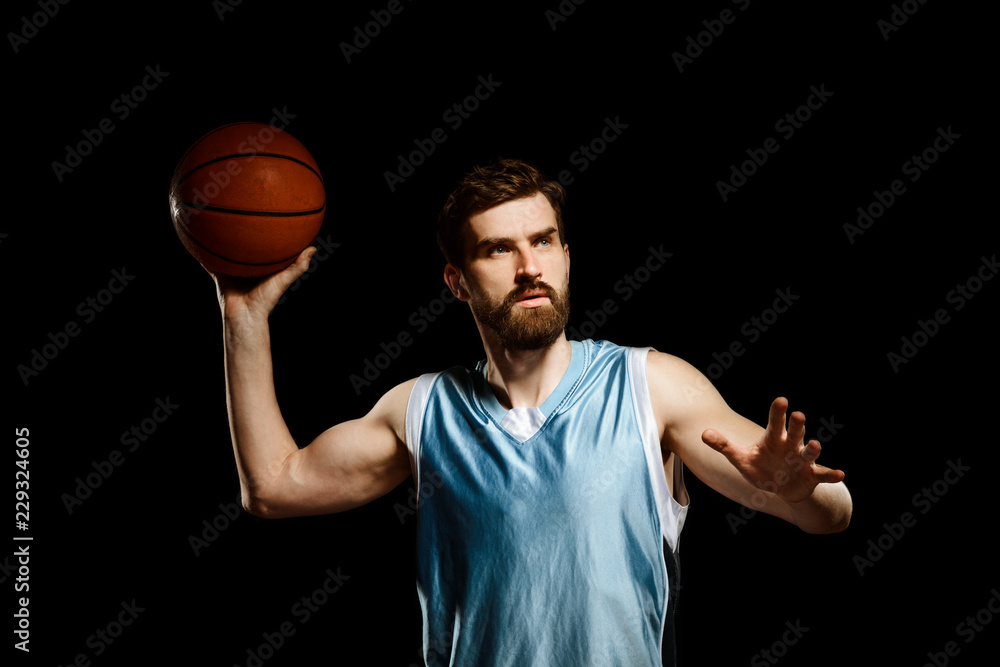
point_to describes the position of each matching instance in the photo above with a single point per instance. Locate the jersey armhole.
(672, 513)
(415, 407)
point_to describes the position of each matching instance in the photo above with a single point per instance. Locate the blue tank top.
(541, 531)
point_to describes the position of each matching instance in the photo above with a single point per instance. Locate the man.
(557, 465)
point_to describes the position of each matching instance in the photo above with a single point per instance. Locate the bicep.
(349, 464)
(687, 404)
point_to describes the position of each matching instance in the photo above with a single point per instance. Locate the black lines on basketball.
(249, 155)
(277, 262)
(264, 214)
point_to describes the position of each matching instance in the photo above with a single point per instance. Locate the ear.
(455, 281)
(566, 250)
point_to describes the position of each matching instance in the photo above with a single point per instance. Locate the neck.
(525, 378)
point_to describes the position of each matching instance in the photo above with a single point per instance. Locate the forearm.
(261, 440)
(827, 510)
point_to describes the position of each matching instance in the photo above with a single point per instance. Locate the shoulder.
(399, 394)
(677, 389)
(395, 400)
(390, 410)
(669, 369)
(665, 374)
(394, 405)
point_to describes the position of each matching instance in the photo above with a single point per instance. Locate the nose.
(528, 268)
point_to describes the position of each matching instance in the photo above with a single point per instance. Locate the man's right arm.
(346, 466)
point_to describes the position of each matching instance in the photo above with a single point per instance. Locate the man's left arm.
(770, 469)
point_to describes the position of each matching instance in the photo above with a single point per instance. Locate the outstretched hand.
(255, 297)
(780, 462)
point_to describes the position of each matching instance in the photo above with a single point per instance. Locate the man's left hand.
(780, 462)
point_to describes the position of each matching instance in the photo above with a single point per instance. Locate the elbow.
(826, 529)
(262, 495)
(845, 520)
(254, 506)
(835, 523)
(259, 505)
(837, 526)
(846, 509)
(263, 509)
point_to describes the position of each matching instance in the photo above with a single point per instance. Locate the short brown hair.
(483, 188)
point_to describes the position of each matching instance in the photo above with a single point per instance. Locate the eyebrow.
(492, 241)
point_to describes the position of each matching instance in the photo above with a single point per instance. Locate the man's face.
(516, 276)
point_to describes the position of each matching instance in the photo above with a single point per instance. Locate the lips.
(532, 294)
(533, 298)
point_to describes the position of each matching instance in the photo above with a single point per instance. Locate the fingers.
(796, 427)
(826, 475)
(776, 422)
(811, 451)
(776, 417)
(822, 474)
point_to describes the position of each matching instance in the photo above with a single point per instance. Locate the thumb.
(283, 279)
(267, 293)
(716, 441)
(300, 265)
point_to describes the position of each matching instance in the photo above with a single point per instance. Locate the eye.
(544, 241)
(497, 250)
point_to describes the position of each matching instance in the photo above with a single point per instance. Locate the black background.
(655, 185)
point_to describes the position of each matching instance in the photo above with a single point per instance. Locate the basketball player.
(557, 465)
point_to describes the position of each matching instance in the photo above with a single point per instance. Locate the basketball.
(246, 199)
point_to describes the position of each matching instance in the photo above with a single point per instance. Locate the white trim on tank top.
(672, 513)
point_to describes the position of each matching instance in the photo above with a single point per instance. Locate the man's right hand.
(250, 300)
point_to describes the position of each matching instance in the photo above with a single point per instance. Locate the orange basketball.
(246, 199)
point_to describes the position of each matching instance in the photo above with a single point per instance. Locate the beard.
(524, 328)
